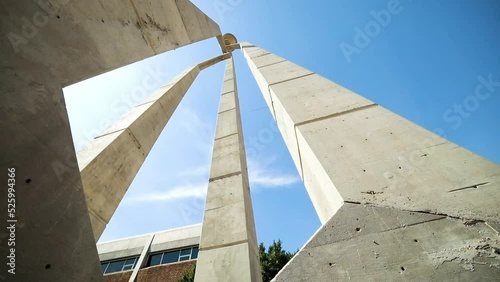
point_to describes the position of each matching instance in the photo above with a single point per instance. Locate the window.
(154, 259)
(118, 265)
(194, 254)
(173, 256)
(170, 257)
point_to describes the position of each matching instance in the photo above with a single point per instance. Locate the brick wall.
(165, 273)
(118, 276)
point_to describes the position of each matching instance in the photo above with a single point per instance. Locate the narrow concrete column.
(371, 173)
(142, 259)
(109, 164)
(228, 247)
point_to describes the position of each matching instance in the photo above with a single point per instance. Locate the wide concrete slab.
(426, 169)
(350, 151)
(372, 155)
(366, 243)
(48, 45)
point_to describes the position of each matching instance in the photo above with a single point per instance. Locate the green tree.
(272, 261)
(188, 275)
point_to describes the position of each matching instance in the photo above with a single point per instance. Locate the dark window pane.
(115, 266)
(127, 267)
(184, 258)
(154, 260)
(186, 252)
(103, 266)
(195, 253)
(170, 257)
(130, 261)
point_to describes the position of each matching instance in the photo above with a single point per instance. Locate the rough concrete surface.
(45, 46)
(109, 164)
(367, 243)
(228, 245)
(355, 156)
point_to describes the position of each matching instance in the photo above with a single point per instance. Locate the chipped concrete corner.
(368, 243)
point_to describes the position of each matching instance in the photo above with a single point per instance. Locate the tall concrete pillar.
(396, 200)
(110, 163)
(228, 247)
(45, 46)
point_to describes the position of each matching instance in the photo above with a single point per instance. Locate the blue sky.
(428, 61)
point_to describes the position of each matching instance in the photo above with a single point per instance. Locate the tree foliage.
(272, 261)
(188, 275)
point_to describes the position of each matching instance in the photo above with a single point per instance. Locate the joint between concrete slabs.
(286, 80)
(261, 55)
(225, 245)
(97, 216)
(152, 101)
(224, 176)
(118, 130)
(226, 111)
(335, 114)
(226, 135)
(271, 64)
(227, 91)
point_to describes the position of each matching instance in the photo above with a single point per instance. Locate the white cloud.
(260, 175)
(176, 193)
(190, 124)
(202, 170)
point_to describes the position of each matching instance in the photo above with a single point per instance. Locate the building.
(161, 256)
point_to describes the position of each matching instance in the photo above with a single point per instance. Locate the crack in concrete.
(336, 114)
(224, 176)
(465, 221)
(469, 187)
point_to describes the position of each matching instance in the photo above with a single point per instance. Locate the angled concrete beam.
(372, 155)
(142, 259)
(228, 246)
(109, 164)
(365, 167)
(48, 45)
